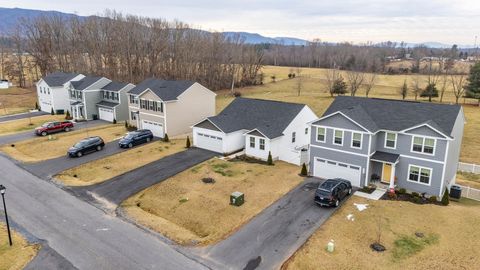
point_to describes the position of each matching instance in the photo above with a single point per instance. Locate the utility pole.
(2, 191)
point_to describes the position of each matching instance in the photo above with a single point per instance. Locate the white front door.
(208, 141)
(329, 169)
(154, 127)
(105, 114)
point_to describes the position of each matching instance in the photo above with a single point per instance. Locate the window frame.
(324, 134)
(294, 135)
(424, 138)
(334, 137)
(361, 140)
(420, 169)
(261, 143)
(306, 131)
(394, 141)
(252, 142)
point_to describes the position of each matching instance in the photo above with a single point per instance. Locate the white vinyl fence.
(471, 193)
(468, 167)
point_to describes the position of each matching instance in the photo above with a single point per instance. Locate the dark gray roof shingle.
(384, 156)
(396, 115)
(268, 116)
(107, 104)
(85, 82)
(115, 86)
(58, 78)
(164, 89)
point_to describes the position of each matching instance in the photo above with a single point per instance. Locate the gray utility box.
(237, 198)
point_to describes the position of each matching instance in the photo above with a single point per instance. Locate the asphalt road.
(21, 116)
(274, 235)
(80, 232)
(48, 168)
(123, 186)
(25, 135)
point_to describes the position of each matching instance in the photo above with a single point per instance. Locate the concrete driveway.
(21, 116)
(272, 236)
(123, 186)
(25, 135)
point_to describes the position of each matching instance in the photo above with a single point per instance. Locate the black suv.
(136, 137)
(86, 146)
(332, 191)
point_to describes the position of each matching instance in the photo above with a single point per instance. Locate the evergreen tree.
(304, 171)
(404, 89)
(114, 121)
(270, 160)
(165, 139)
(446, 197)
(36, 106)
(430, 91)
(67, 115)
(473, 87)
(52, 112)
(339, 86)
(126, 124)
(188, 142)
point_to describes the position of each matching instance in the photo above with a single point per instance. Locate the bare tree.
(331, 76)
(355, 80)
(404, 90)
(458, 86)
(416, 86)
(299, 82)
(370, 80)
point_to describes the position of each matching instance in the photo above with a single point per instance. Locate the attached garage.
(333, 169)
(155, 127)
(206, 140)
(106, 114)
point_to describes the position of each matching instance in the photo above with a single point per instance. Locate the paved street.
(123, 186)
(272, 236)
(80, 232)
(20, 116)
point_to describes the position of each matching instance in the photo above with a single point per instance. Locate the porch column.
(392, 177)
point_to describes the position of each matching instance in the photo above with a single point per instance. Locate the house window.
(115, 95)
(390, 140)
(293, 136)
(338, 137)
(423, 145)
(306, 131)
(419, 174)
(48, 89)
(152, 105)
(133, 99)
(320, 134)
(262, 144)
(160, 106)
(252, 142)
(133, 115)
(356, 140)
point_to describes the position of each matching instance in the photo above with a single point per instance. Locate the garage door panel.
(209, 141)
(155, 127)
(105, 114)
(332, 169)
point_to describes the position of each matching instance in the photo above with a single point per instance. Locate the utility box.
(456, 192)
(237, 198)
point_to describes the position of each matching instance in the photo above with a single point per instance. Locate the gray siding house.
(402, 144)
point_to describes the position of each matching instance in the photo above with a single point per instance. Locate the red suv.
(52, 127)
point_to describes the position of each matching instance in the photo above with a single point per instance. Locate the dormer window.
(390, 140)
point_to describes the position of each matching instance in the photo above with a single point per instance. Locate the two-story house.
(169, 107)
(52, 91)
(114, 101)
(402, 144)
(84, 95)
(260, 127)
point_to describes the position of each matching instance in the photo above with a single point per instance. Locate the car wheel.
(130, 145)
(349, 191)
(337, 203)
(99, 147)
(149, 139)
(79, 154)
(44, 133)
(67, 129)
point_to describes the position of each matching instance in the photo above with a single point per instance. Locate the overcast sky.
(444, 21)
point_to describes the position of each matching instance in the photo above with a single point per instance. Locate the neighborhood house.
(52, 91)
(403, 144)
(259, 127)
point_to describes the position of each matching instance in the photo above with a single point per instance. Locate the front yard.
(25, 124)
(189, 211)
(17, 256)
(17, 100)
(450, 237)
(103, 169)
(42, 148)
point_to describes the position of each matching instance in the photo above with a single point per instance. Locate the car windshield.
(80, 144)
(46, 125)
(130, 135)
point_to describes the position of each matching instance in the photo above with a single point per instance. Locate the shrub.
(165, 139)
(237, 94)
(36, 106)
(417, 200)
(304, 171)
(402, 191)
(392, 195)
(445, 198)
(289, 75)
(114, 121)
(269, 159)
(188, 142)
(415, 194)
(375, 177)
(433, 199)
(126, 125)
(67, 115)
(52, 112)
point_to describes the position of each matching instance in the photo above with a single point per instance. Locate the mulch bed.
(245, 158)
(368, 190)
(409, 198)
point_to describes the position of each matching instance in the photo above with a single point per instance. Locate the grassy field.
(34, 150)
(189, 211)
(450, 237)
(314, 94)
(103, 169)
(468, 179)
(17, 100)
(25, 124)
(17, 256)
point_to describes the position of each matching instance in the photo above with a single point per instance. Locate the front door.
(386, 173)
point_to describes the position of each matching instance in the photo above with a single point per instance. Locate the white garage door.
(209, 142)
(154, 127)
(332, 169)
(105, 114)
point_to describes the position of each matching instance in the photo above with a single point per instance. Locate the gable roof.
(166, 90)
(115, 86)
(58, 78)
(267, 116)
(85, 82)
(395, 115)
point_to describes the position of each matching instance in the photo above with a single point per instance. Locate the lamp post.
(2, 191)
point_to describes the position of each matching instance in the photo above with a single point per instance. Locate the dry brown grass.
(17, 256)
(20, 125)
(315, 96)
(42, 148)
(188, 211)
(17, 100)
(455, 228)
(103, 169)
(468, 179)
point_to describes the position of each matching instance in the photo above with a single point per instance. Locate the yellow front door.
(387, 173)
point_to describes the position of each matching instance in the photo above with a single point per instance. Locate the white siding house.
(52, 91)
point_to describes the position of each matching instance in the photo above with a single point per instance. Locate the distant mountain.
(254, 38)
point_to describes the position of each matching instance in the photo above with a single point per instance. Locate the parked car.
(52, 127)
(136, 137)
(86, 146)
(332, 191)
